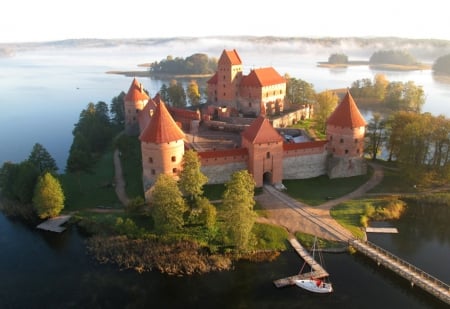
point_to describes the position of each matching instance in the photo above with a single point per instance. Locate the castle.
(165, 132)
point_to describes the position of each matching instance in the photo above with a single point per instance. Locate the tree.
(380, 84)
(168, 205)
(325, 105)
(48, 199)
(176, 94)
(25, 181)
(192, 179)
(208, 213)
(42, 160)
(338, 59)
(299, 91)
(117, 109)
(442, 65)
(238, 203)
(164, 93)
(376, 135)
(193, 93)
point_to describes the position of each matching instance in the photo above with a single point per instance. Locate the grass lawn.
(393, 181)
(91, 190)
(318, 190)
(349, 214)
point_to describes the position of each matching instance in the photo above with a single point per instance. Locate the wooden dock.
(404, 269)
(54, 224)
(317, 271)
(391, 230)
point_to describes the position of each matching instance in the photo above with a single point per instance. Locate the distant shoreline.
(388, 67)
(158, 75)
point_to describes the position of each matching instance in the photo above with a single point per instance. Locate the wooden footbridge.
(406, 270)
(317, 271)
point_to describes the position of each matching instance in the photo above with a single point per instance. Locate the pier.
(317, 271)
(404, 269)
(54, 224)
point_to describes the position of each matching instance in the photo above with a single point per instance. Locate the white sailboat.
(315, 284)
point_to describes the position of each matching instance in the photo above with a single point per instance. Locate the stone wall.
(339, 167)
(305, 166)
(221, 173)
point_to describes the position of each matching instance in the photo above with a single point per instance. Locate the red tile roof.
(262, 77)
(145, 114)
(347, 114)
(261, 131)
(230, 57)
(305, 145)
(136, 92)
(162, 128)
(223, 153)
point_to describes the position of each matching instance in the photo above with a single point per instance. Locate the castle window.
(173, 159)
(249, 104)
(346, 151)
(342, 140)
(224, 77)
(150, 160)
(153, 172)
(331, 137)
(224, 94)
(174, 170)
(357, 150)
(356, 140)
(268, 155)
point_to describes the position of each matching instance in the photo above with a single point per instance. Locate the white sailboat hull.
(314, 285)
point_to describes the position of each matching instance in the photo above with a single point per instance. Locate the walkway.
(299, 217)
(119, 181)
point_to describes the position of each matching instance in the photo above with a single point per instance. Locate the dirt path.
(295, 216)
(119, 181)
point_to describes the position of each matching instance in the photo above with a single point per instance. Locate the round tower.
(135, 100)
(345, 134)
(162, 146)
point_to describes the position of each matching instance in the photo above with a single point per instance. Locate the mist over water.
(44, 88)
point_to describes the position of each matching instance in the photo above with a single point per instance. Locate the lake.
(42, 94)
(43, 91)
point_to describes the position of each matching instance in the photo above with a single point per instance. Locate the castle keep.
(266, 152)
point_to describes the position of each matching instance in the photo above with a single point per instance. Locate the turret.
(135, 100)
(345, 134)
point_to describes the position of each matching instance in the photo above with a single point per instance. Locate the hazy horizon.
(50, 20)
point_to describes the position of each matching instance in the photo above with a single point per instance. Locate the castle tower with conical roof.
(135, 100)
(162, 146)
(265, 152)
(345, 134)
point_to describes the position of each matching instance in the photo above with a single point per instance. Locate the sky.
(49, 20)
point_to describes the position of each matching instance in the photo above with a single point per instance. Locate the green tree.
(376, 135)
(299, 91)
(238, 203)
(192, 179)
(117, 109)
(325, 105)
(338, 59)
(42, 160)
(208, 213)
(193, 93)
(25, 181)
(442, 65)
(168, 205)
(164, 93)
(380, 84)
(48, 199)
(176, 94)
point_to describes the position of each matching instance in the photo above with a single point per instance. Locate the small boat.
(315, 285)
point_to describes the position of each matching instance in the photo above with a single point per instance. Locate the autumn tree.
(192, 179)
(379, 86)
(238, 203)
(42, 159)
(168, 205)
(48, 199)
(325, 105)
(193, 93)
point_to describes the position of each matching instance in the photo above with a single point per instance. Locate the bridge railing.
(402, 262)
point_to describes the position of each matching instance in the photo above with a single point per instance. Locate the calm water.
(41, 96)
(43, 270)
